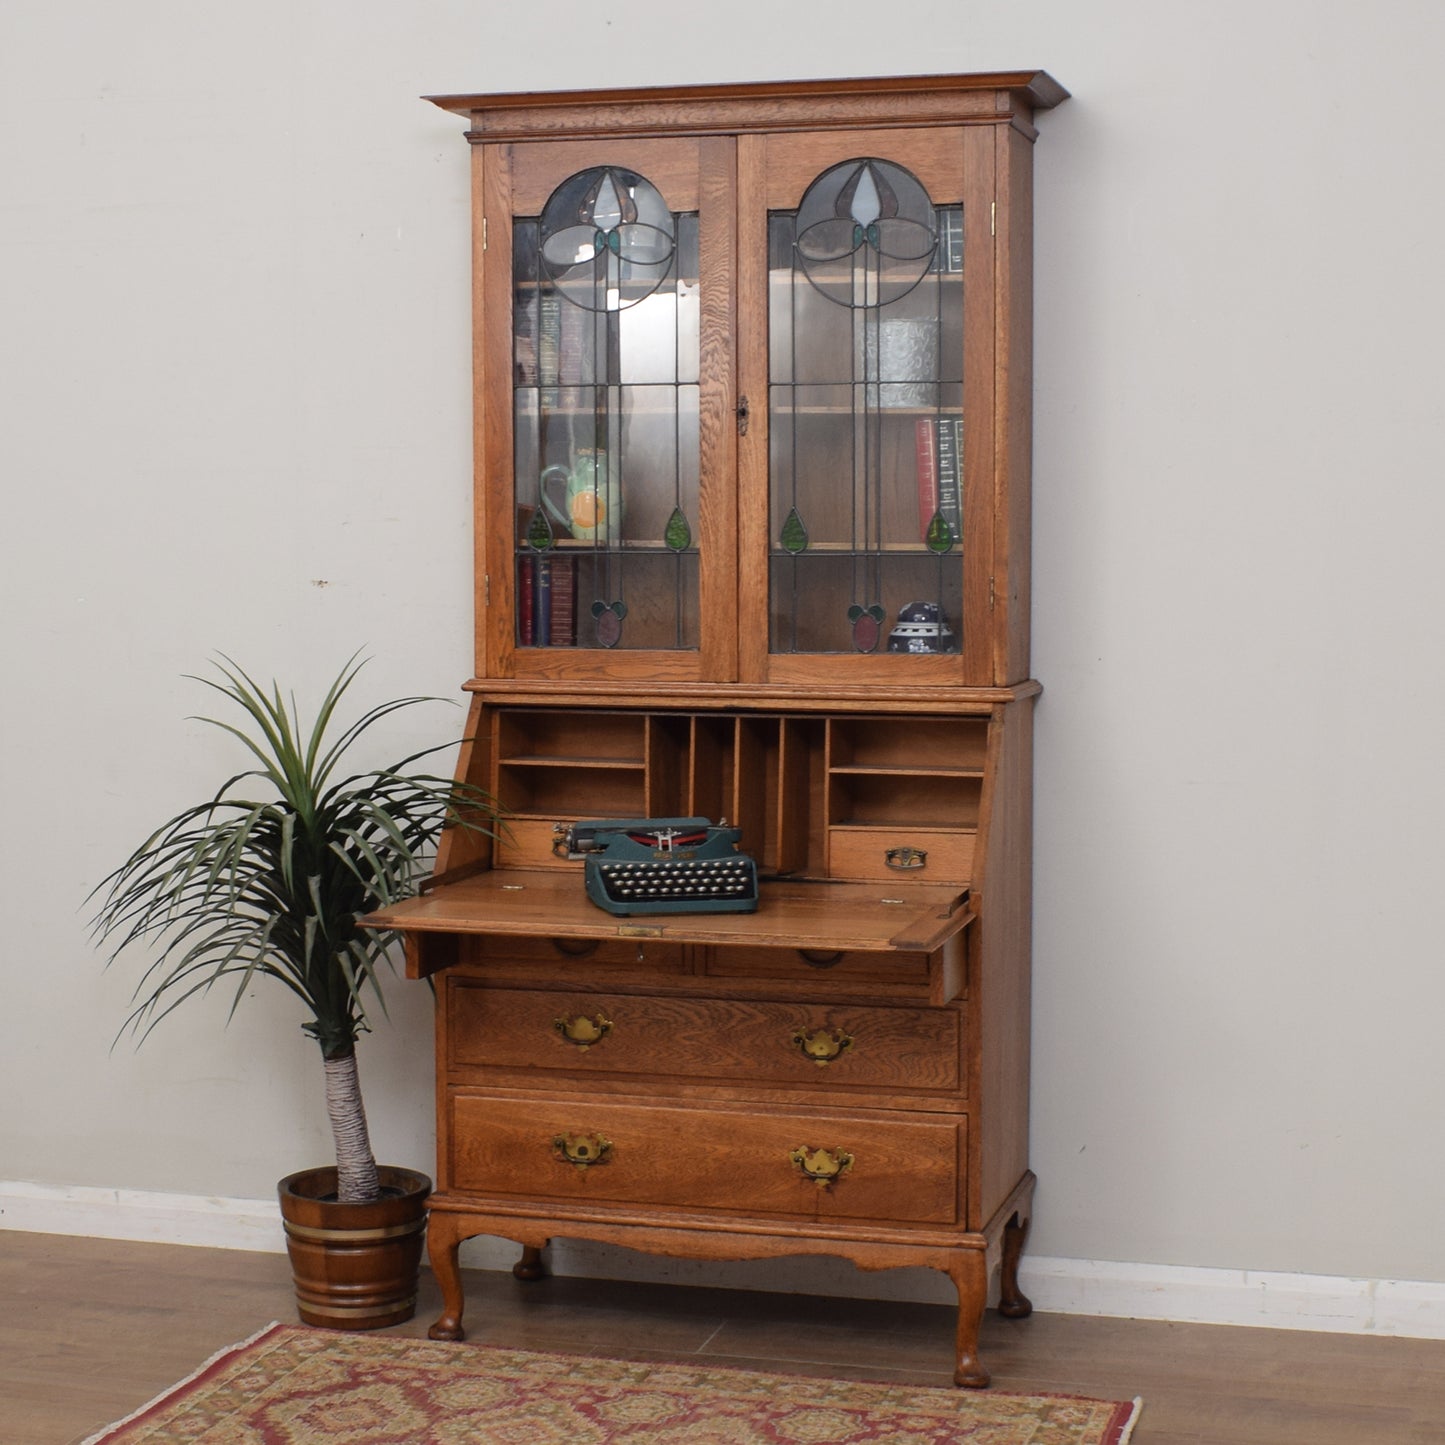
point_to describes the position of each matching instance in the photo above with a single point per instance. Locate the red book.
(564, 602)
(925, 438)
(526, 583)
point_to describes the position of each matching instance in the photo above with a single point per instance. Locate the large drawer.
(810, 1163)
(813, 1044)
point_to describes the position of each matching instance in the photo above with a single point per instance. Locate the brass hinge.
(484, 233)
(992, 596)
(993, 218)
(487, 590)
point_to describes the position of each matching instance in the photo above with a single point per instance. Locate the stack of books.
(546, 600)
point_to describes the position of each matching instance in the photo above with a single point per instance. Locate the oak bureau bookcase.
(752, 374)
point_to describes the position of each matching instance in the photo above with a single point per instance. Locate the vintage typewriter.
(661, 865)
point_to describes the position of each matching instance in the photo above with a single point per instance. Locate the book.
(549, 343)
(938, 450)
(950, 472)
(542, 602)
(951, 240)
(925, 443)
(562, 611)
(526, 587)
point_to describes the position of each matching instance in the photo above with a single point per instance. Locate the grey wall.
(234, 415)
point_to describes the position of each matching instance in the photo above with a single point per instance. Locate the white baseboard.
(136, 1214)
(1414, 1308)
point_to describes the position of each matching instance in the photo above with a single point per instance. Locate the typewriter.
(661, 865)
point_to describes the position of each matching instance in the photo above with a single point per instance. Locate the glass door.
(869, 502)
(609, 555)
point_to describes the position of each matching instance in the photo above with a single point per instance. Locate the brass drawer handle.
(822, 1166)
(583, 1150)
(576, 947)
(822, 1045)
(582, 1031)
(903, 860)
(818, 958)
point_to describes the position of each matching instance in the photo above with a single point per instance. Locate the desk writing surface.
(552, 904)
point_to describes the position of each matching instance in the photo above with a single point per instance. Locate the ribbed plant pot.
(355, 1265)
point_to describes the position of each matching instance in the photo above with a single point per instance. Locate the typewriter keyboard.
(702, 883)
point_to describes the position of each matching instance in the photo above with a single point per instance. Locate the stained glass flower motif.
(867, 626)
(608, 621)
(612, 228)
(868, 211)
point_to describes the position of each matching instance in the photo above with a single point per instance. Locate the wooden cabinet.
(752, 463)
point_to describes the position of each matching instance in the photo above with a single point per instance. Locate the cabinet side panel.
(462, 850)
(982, 390)
(999, 968)
(1014, 431)
(492, 487)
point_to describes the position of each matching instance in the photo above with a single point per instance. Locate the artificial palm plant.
(248, 885)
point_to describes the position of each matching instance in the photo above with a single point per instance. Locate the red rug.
(294, 1386)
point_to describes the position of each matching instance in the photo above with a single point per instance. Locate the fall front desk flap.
(551, 903)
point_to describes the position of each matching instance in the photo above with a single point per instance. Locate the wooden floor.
(91, 1329)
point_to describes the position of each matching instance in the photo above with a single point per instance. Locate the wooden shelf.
(904, 770)
(532, 762)
(626, 546)
(903, 413)
(844, 549)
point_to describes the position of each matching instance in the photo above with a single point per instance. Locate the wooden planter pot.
(355, 1265)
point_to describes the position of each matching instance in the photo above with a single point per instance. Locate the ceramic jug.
(590, 508)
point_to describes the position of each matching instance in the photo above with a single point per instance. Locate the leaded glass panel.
(866, 416)
(605, 397)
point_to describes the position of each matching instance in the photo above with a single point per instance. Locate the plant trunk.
(356, 1177)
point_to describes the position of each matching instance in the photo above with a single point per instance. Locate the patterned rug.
(289, 1385)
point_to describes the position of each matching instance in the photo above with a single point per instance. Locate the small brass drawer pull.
(822, 1045)
(582, 1031)
(584, 1150)
(817, 958)
(575, 947)
(904, 859)
(822, 1166)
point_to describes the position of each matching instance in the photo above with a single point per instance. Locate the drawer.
(863, 853)
(583, 955)
(527, 843)
(808, 1163)
(725, 1040)
(819, 968)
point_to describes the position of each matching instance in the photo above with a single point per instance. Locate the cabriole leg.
(970, 1274)
(443, 1238)
(1013, 1303)
(530, 1265)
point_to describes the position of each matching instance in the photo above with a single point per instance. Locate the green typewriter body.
(662, 865)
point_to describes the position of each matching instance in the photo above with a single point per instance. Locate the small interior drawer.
(527, 843)
(903, 854)
(579, 956)
(819, 967)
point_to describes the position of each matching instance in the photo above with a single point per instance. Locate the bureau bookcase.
(752, 396)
